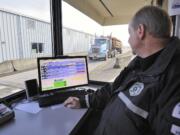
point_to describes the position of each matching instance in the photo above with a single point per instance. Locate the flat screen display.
(63, 72)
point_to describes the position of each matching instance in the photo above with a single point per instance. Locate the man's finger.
(69, 100)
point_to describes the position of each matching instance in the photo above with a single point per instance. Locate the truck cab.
(101, 49)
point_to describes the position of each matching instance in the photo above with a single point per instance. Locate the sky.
(72, 18)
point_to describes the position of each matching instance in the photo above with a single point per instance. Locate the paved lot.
(106, 72)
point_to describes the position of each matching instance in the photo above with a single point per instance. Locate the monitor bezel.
(59, 89)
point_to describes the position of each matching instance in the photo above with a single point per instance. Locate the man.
(145, 98)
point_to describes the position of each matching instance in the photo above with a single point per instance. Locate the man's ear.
(141, 31)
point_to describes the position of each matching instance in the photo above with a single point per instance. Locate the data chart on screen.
(62, 73)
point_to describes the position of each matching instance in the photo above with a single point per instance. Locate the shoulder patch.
(136, 89)
(175, 129)
(176, 111)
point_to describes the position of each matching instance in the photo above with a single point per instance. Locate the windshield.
(100, 41)
(103, 47)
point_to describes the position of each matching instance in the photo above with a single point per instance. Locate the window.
(25, 34)
(98, 46)
(37, 47)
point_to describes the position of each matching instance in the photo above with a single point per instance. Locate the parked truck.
(105, 47)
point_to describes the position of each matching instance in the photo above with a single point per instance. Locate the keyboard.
(58, 98)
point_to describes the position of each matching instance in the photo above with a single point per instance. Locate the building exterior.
(26, 37)
(76, 41)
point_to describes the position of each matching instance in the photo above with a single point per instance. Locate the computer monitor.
(59, 73)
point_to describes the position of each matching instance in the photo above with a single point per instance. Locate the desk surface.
(48, 121)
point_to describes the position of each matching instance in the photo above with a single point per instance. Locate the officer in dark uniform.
(145, 98)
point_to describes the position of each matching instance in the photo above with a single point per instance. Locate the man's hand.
(72, 102)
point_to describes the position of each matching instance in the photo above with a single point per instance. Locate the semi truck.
(105, 47)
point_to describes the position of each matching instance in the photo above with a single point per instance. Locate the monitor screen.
(62, 72)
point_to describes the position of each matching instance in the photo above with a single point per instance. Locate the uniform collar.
(144, 63)
(163, 60)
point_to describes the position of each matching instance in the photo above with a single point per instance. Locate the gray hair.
(155, 20)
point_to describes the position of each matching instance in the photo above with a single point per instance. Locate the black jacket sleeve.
(102, 96)
(98, 99)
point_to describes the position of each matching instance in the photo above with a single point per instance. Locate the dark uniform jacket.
(145, 98)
